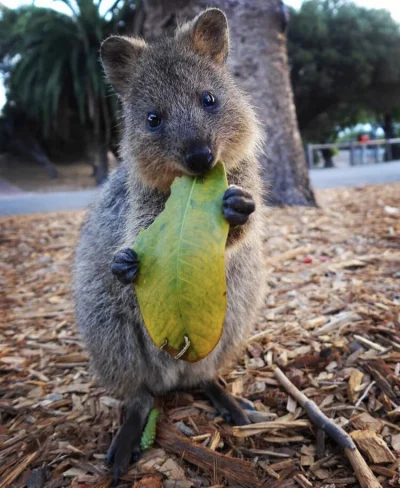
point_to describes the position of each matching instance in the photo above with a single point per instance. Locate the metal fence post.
(389, 151)
(352, 161)
(310, 155)
(363, 154)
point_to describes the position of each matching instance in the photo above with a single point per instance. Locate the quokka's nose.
(198, 157)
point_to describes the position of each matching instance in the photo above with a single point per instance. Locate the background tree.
(342, 60)
(344, 65)
(53, 72)
(259, 62)
(57, 78)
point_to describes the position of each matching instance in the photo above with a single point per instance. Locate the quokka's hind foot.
(226, 404)
(124, 450)
(244, 403)
(125, 447)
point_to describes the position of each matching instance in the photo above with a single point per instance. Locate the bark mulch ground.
(331, 323)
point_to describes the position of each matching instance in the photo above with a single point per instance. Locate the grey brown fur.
(169, 77)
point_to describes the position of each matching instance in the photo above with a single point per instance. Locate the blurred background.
(327, 70)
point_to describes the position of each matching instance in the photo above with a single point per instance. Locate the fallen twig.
(366, 342)
(235, 470)
(363, 396)
(259, 428)
(14, 473)
(316, 416)
(288, 255)
(364, 475)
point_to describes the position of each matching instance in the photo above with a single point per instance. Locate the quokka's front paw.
(125, 266)
(237, 205)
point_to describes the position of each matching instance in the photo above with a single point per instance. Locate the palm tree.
(55, 73)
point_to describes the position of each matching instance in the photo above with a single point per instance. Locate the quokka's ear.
(208, 34)
(119, 55)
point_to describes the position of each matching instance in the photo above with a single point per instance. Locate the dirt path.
(34, 178)
(26, 203)
(356, 175)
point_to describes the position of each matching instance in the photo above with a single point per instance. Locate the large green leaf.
(181, 287)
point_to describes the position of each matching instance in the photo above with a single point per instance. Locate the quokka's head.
(181, 109)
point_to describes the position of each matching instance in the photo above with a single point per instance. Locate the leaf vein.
(179, 250)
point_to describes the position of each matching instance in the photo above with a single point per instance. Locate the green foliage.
(181, 287)
(52, 67)
(149, 432)
(343, 65)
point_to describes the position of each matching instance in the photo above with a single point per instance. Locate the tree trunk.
(258, 60)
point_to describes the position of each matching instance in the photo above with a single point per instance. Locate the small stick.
(286, 256)
(362, 397)
(259, 336)
(315, 414)
(364, 475)
(236, 471)
(13, 474)
(361, 469)
(368, 343)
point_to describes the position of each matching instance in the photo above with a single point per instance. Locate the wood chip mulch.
(331, 322)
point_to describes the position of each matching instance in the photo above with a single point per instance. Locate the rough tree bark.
(258, 60)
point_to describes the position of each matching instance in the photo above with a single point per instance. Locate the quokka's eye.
(153, 121)
(209, 101)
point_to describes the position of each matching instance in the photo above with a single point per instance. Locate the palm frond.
(59, 61)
